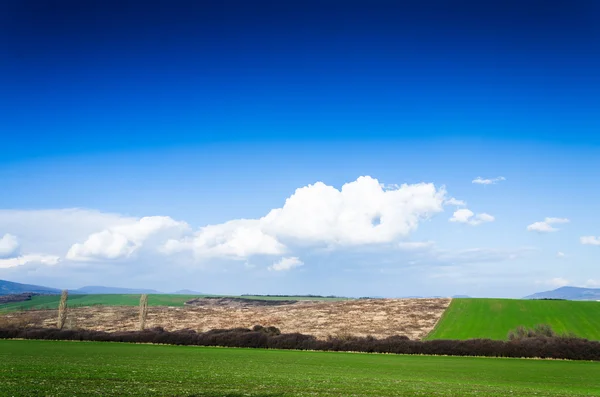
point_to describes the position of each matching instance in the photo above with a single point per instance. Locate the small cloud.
(555, 282)
(285, 264)
(491, 181)
(455, 202)
(560, 254)
(590, 240)
(9, 246)
(592, 283)
(467, 216)
(545, 226)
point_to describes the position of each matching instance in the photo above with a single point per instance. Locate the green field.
(35, 368)
(494, 318)
(51, 301)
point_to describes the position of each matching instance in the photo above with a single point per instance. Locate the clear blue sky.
(208, 112)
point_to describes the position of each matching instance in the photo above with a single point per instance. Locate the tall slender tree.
(143, 310)
(62, 309)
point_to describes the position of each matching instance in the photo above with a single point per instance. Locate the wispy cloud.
(455, 202)
(545, 226)
(490, 181)
(590, 240)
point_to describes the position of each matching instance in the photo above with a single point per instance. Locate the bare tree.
(62, 309)
(143, 310)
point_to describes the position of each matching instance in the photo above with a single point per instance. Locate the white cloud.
(122, 240)
(9, 246)
(455, 202)
(29, 259)
(285, 264)
(560, 254)
(360, 213)
(237, 239)
(590, 240)
(467, 216)
(480, 181)
(592, 283)
(546, 225)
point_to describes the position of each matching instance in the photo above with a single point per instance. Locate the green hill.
(75, 300)
(494, 318)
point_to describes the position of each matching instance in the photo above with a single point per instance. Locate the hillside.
(9, 288)
(96, 289)
(494, 318)
(570, 293)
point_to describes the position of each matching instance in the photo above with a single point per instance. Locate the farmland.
(359, 317)
(51, 301)
(494, 318)
(91, 368)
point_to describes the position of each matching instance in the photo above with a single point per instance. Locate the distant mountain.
(187, 292)
(460, 296)
(570, 293)
(94, 289)
(8, 288)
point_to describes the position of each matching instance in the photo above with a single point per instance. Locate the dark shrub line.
(269, 338)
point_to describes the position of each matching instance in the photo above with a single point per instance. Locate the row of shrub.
(541, 347)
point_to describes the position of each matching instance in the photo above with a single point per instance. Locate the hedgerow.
(557, 347)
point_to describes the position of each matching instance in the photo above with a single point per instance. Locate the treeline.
(558, 347)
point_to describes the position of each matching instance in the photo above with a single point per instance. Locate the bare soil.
(414, 318)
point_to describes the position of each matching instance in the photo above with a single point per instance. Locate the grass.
(34, 368)
(51, 301)
(494, 318)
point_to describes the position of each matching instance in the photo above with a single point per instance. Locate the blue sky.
(191, 115)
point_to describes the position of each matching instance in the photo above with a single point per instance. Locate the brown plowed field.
(377, 317)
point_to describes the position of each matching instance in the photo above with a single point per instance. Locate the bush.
(526, 343)
(538, 331)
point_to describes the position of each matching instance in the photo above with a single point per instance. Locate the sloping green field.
(51, 368)
(51, 301)
(494, 318)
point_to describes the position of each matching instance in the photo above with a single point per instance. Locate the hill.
(570, 293)
(494, 318)
(94, 289)
(9, 288)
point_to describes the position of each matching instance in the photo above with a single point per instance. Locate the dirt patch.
(237, 302)
(377, 317)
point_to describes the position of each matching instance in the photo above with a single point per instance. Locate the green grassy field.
(494, 318)
(35, 368)
(51, 302)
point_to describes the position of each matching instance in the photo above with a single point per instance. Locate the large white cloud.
(361, 212)
(545, 226)
(123, 240)
(9, 246)
(468, 217)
